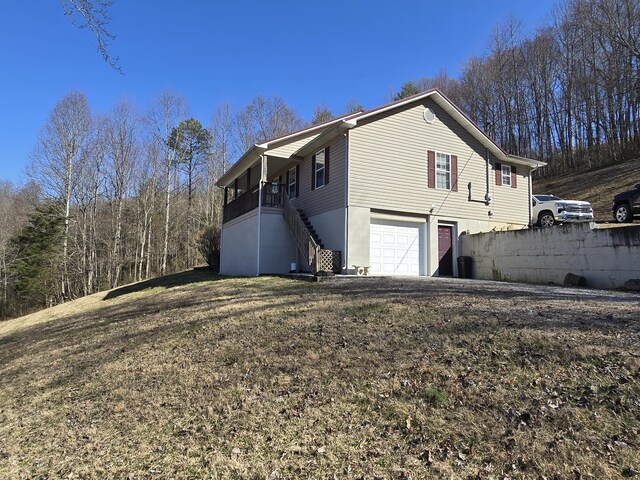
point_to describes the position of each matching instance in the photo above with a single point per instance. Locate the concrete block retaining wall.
(606, 257)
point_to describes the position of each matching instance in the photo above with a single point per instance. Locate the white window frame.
(320, 169)
(443, 171)
(293, 180)
(505, 171)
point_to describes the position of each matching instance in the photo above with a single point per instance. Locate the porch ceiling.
(276, 164)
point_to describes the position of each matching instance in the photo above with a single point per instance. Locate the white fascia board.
(482, 137)
(324, 137)
(462, 119)
(525, 161)
(305, 131)
(391, 106)
(253, 154)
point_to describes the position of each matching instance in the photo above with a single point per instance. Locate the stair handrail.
(308, 247)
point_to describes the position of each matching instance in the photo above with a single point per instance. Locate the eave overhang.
(244, 162)
(323, 138)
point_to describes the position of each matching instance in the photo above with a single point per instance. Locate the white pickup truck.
(549, 209)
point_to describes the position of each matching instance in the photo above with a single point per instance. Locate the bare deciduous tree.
(167, 112)
(61, 144)
(94, 15)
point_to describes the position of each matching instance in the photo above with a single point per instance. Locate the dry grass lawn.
(194, 376)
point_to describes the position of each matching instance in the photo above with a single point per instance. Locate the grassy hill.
(596, 186)
(196, 376)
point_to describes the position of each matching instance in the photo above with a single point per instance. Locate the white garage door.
(395, 248)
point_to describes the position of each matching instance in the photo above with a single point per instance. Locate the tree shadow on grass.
(197, 275)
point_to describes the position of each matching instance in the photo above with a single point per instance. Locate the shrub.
(209, 247)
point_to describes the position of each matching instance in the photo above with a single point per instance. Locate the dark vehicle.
(626, 205)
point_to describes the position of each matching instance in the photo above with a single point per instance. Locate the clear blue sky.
(212, 52)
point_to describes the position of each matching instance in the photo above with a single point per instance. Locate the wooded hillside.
(130, 193)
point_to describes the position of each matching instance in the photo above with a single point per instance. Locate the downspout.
(259, 212)
(346, 200)
(530, 185)
(487, 196)
(221, 240)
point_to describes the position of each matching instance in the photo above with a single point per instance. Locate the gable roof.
(459, 116)
(254, 152)
(326, 130)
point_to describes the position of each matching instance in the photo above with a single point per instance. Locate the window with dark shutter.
(318, 170)
(506, 175)
(514, 179)
(498, 173)
(443, 171)
(292, 182)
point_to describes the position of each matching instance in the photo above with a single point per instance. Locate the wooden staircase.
(310, 228)
(315, 255)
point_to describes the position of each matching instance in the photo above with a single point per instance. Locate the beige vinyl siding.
(330, 196)
(509, 202)
(388, 168)
(287, 149)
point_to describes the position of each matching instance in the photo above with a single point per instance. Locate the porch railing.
(241, 205)
(308, 247)
(275, 195)
(272, 196)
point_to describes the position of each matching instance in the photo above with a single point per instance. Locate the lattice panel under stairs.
(330, 261)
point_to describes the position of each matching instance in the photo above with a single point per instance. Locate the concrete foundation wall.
(605, 257)
(358, 248)
(239, 255)
(277, 248)
(330, 228)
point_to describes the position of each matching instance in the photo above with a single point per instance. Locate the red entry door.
(445, 251)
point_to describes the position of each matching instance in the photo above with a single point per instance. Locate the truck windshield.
(546, 198)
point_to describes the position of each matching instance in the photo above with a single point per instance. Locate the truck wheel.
(546, 220)
(622, 213)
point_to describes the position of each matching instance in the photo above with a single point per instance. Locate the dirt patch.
(370, 378)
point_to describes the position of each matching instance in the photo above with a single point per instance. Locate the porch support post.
(235, 189)
(226, 195)
(263, 176)
(262, 162)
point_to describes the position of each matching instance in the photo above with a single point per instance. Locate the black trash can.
(465, 267)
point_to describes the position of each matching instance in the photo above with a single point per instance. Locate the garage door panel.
(395, 248)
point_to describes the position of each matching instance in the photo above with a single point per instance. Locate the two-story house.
(390, 188)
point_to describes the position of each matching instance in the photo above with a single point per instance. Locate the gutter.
(324, 137)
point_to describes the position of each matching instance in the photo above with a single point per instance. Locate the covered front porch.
(260, 224)
(259, 184)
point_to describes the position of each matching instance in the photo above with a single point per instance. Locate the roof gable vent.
(429, 115)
